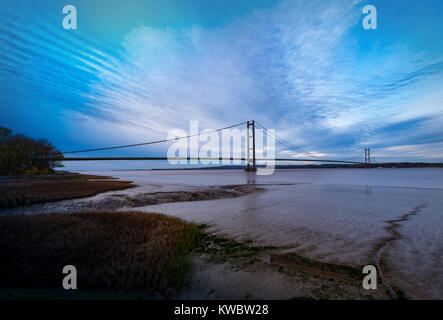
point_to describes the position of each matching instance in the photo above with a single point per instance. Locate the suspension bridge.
(250, 159)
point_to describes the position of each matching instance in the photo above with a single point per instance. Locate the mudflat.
(22, 191)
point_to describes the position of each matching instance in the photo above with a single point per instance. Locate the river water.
(332, 215)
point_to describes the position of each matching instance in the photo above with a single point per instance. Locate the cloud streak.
(297, 67)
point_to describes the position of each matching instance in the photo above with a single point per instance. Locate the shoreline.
(29, 190)
(240, 260)
(196, 264)
(384, 165)
(24, 192)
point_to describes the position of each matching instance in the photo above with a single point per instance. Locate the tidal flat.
(331, 217)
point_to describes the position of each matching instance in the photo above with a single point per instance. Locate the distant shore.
(387, 165)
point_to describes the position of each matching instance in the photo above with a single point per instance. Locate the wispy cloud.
(296, 67)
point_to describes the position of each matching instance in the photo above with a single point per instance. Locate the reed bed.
(39, 189)
(112, 251)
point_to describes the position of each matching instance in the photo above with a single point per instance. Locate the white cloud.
(291, 67)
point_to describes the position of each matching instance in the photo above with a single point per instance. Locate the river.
(347, 216)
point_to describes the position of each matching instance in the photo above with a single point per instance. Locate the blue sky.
(135, 69)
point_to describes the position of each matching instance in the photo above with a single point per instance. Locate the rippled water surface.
(336, 215)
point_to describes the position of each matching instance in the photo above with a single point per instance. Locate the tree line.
(23, 155)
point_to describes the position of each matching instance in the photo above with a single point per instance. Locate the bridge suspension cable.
(282, 141)
(152, 142)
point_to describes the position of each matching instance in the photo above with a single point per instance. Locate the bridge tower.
(368, 157)
(250, 146)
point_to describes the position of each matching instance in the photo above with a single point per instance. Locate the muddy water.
(347, 216)
(334, 215)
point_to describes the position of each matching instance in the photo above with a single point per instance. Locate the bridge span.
(250, 157)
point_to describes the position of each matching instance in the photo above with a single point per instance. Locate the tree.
(21, 155)
(4, 133)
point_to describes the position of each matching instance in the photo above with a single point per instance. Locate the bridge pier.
(368, 157)
(250, 160)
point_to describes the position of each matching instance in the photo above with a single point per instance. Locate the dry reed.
(115, 251)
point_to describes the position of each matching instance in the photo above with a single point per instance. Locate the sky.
(134, 70)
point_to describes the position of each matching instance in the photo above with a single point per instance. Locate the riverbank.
(28, 190)
(136, 255)
(235, 270)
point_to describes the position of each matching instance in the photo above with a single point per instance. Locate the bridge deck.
(190, 158)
